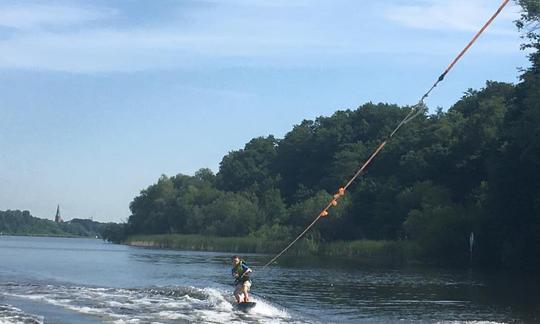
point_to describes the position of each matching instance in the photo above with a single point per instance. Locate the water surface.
(65, 280)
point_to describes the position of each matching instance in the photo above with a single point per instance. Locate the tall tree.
(250, 166)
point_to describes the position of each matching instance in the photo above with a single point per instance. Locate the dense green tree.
(233, 214)
(113, 232)
(529, 24)
(273, 209)
(250, 166)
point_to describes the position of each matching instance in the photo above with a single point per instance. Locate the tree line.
(474, 168)
(17, 222)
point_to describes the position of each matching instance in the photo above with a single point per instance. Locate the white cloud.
(459, 15)
(263, 3)
(133, 50)
(285, 33)
(36, 16)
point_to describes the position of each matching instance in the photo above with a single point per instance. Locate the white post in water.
(471, 244)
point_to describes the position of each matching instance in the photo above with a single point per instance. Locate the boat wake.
(12, 314)
(156, 304)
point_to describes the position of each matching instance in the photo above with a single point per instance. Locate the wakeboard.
(245, 306)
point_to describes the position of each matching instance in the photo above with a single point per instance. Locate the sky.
(100, 98)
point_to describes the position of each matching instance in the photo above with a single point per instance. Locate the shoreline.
(388, 252)
(50, 235)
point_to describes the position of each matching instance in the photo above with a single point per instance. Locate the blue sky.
(99, 98)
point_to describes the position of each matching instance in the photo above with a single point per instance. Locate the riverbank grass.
(368, 249)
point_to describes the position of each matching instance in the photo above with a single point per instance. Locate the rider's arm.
(246, 269)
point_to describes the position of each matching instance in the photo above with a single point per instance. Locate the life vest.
(240, 271)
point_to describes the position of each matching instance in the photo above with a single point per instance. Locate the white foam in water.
(189, 304)
(173, 315)
(218, 309)
(12, 315)
(134, 321)
(469, 322)
(113, 303)
(265, 309)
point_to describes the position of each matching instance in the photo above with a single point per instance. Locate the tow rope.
(416, 110)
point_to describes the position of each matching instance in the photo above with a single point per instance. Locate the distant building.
(57, 218)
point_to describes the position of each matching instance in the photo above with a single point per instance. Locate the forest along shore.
(394, 252)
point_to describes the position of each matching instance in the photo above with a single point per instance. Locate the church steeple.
(57, 218)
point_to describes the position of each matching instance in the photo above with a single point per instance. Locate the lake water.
(65, 280)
